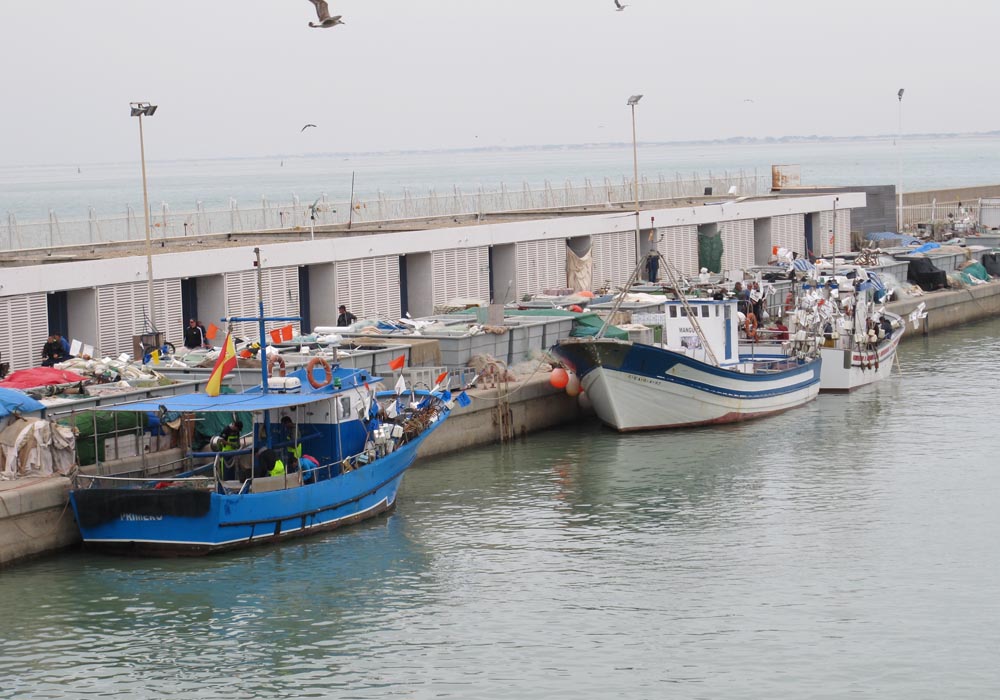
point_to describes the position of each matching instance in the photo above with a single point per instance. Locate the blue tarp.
(926, 248)
(12, 400)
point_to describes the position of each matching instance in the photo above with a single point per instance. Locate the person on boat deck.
(780, 331)
(194, 335)
(231, 441)
(269, 463)
(56, 349)
(345, 318)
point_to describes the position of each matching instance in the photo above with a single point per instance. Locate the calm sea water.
(29, 193)
(848, 548)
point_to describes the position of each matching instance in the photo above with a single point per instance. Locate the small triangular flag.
(400, 385)
(463, 399)
(211, 331)
(397, 363)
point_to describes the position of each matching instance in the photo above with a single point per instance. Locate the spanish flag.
(223, 366)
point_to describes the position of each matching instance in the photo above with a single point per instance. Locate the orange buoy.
(559, 378)
(576, 307)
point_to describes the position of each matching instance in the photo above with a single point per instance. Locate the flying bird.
(306, 127)
(325, 20)
(618, 5)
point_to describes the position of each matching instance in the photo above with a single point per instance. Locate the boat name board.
(139, 516)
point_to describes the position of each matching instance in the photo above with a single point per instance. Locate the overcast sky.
(241, 77)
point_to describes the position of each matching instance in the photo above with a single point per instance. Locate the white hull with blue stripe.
(634, 386)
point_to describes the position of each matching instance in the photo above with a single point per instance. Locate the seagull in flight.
(306, 127)
(618, 6)
(323, 13)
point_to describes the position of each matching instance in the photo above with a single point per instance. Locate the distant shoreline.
(731, 141)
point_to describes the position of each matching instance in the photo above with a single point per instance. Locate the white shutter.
(280, 292)
(25, 320)
(539, 265)
(369, 286)
(843, 232)
(613, 256)
(789, 231)
(122, 313)
(737, 244)
(460, 273)
(679, 247)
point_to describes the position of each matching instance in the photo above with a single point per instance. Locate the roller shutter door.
(25, 320)
(679, 246)
(789, 231)
(121, 313)
(613, 256)
(461, 273)
(369, 286)
(843, 232)
(737, 244)
(540, 265)
(280, 294)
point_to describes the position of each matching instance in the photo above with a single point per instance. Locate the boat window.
(673, 312)
(704, 311)
(345, 407)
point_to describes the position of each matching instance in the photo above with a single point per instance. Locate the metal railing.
(940, 213)
(296, 215)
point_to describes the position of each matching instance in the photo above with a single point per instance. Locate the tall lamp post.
(899, 165)
(632, 102)
(144, 109)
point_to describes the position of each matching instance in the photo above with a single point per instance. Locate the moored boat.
(697, 374)
(322, 449)
(860, 336)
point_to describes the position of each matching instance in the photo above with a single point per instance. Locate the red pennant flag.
(276, 336)
(441, 377)
(397, 363)
(286, 332)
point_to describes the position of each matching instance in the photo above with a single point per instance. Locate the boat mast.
(260, 320)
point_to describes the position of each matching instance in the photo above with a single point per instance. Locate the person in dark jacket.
(194, 335)
(55, 350)
(345, 318)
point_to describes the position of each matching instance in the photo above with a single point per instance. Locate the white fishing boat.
(860, 336)
(699, 372)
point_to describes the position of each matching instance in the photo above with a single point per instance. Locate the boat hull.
(184, 522)
(846, 370)
(633, 386)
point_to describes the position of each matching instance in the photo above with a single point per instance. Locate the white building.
(99, 295)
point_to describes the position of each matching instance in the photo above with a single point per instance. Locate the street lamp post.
(899, 165)
(144, 109)
(632, 102)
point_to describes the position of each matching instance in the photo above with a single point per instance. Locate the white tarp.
(34, 447)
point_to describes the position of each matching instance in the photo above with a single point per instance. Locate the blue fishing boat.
(323, 449)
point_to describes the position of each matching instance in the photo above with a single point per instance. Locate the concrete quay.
(35, 518)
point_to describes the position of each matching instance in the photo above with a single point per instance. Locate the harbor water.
(847, 548)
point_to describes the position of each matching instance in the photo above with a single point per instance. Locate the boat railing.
(118, 481)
